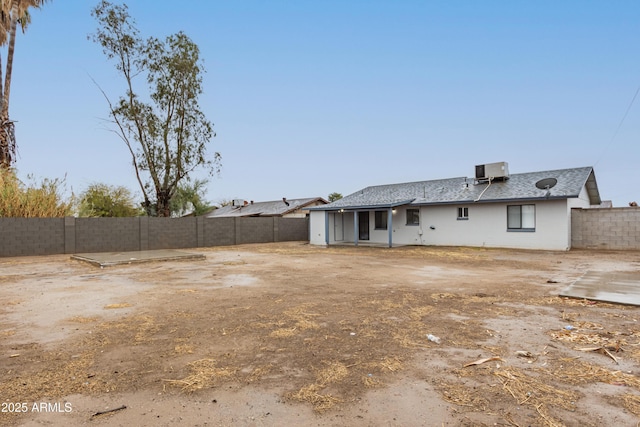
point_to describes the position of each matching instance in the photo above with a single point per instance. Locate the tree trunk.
(7, 135)
(163, 201)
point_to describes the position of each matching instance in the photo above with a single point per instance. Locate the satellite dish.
(546, 183)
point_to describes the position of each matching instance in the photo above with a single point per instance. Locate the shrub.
(42, 199)
(102, 200)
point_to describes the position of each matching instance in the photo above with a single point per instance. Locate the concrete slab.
(617, 287)
(105, 259)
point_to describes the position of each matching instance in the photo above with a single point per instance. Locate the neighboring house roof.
(271, 208)
(570, 183)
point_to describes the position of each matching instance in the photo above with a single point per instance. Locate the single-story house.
(286, 208)
(526, 210)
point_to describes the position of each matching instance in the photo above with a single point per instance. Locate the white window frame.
(463, 213)
(384, 220)
(521, 217)
(416, 217)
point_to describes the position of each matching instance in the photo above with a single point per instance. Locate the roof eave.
(509, 200)
(592, 189)
(359, 207)
(304, 205)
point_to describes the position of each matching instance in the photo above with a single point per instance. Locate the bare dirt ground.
(290, 334)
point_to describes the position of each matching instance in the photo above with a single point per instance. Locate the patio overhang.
(351, 208)
(389, 207)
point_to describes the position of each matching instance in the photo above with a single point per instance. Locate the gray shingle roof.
(270, 208)
(465, 190)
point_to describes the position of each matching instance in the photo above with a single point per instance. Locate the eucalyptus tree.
(12, 13)
(189, 198)
(165, 132)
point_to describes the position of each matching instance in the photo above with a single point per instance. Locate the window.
(463, 213)
(413, 216)
(381, 220)
(521, 218)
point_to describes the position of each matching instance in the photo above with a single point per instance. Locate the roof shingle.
(270, 208)
(466, 190)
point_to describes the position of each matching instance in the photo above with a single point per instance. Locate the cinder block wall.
(288, 229)
(48, 236)
(254, 230)
(31, 236)
(612, 228)
(107, 234)
(172, 233)
(219, 231)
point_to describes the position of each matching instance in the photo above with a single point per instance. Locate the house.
(287, 208)
(526, 210)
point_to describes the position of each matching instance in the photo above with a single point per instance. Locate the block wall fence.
(48, 236)
(606, 228)
(609, 228)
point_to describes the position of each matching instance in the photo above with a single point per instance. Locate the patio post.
(326, 227)
(355, 228)
(390, 226)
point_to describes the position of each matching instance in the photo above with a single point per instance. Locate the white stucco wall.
(340, 227)
(582, 201)
(486, 226)
(316, 228)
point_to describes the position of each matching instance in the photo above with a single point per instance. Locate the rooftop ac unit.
(238, 202)
(487, 171)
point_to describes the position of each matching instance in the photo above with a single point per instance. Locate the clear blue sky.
(312, 97)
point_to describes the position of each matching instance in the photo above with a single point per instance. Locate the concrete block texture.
(292, 229)
(31, 236)
(219, 231)
(48, 236)
(172, 233)
(254, 230)
(613, 228)
(107, 234)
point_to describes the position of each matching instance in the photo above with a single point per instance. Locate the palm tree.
(12, 12)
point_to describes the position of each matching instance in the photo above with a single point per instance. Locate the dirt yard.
(290, 334)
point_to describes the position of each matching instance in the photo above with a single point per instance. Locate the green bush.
(102, 200)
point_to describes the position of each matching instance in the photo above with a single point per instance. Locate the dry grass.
(370, 381)
(536, 392)
(462, 395)
(231, 263)
(576, 372)
(283, 333)
(43, 200)
(356, 340)
(116, 306)
(320, 402)
(292, 322)
(184, 348)
(83, 319)
(333, 372)
(142, 327)
(632, 403)
(391, 364)
(55, 374)
(259, 372)
(204, 374)
(614, 340)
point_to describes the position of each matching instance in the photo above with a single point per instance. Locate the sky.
(314, 97)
